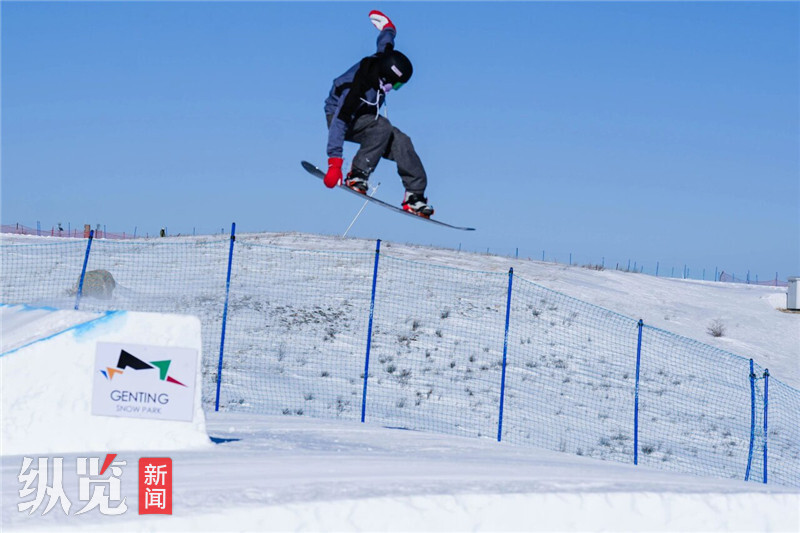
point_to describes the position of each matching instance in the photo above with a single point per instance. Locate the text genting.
(139, 397)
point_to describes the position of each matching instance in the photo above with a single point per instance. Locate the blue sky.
(655, 132)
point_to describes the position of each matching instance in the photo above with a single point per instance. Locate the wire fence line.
(372, 337)
(683, 272)
(68, 232)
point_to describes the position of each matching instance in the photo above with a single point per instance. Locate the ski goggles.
(386, 87)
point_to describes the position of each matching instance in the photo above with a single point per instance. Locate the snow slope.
(47, 376)
(755, 326)
(297, 323)
(24, 325)
(310, 475)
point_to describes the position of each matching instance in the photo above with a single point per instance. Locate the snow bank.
(48, 369)
(23, 325)
(281, 473)
(509, 512)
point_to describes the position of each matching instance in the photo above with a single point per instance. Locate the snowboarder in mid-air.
(352, 111)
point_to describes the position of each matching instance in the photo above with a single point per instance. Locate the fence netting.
(437, 345)
(302, 327)
(782, 438)
(570, 377)
(42, 274)
(694, 406)
(296, 332)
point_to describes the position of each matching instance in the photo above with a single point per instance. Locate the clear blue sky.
(661, 132)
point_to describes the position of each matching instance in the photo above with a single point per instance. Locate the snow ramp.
(75, 381)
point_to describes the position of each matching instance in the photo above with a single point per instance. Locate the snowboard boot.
(417, 204)
(357, 180)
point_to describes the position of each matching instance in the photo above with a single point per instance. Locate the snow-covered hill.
(299, 318)
(299, 309)
(754, 323)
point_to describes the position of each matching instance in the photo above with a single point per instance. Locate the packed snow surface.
(300, 474)
(47, 389)
(287, 473)
(24, 325)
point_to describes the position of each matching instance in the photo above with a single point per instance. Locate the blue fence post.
(225, 315)
(83, 271)
(369, 330)
(636, 396)
(752, 420)
(505, 354)
(766, 427)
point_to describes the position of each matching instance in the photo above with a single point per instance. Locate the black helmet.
(395, 68)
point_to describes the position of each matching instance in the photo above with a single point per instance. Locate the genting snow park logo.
(129, 361)
(98, 487)
(141, 381)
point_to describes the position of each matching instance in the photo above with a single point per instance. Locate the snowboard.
(314, 171)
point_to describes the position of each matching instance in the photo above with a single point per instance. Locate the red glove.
(380, 20)
(334, 175)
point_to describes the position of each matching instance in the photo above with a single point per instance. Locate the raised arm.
(387, 29)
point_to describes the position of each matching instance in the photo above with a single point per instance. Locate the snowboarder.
(352, 112)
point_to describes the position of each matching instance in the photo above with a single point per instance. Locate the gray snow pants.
(378, 138)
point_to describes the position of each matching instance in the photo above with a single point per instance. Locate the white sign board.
(140, 381)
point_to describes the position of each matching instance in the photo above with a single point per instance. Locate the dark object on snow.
(97, 283)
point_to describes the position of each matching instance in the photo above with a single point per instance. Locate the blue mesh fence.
(436, 348)
(755, 469)
(571, 370)
(299, 325)
(156, 276)
(694, 406)
(164, 276)
(42, 274)
(782, 437)
(296, 331)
